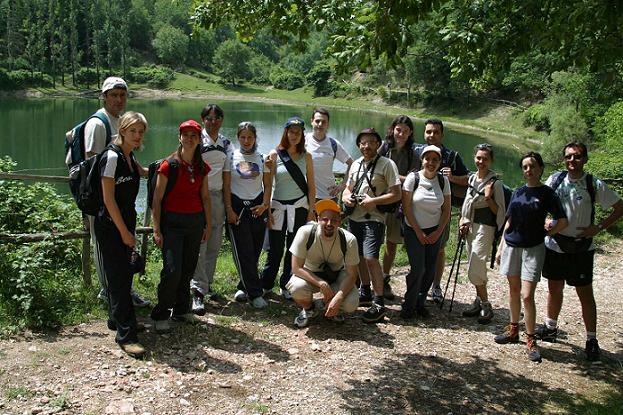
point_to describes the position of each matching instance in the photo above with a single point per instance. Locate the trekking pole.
(456, 252)
(456, 277)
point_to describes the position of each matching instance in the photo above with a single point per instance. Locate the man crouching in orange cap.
(324, 259)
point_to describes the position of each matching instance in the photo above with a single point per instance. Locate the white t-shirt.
(427, 199)
(323, 156)
(385, 175)
(324, 251)
(95, 132)
(246, 174)
(576, 202)
(216, 159)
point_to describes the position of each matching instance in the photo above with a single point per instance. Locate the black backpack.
(152, 176)
(85, 182)
(312, 238)
(74, 140)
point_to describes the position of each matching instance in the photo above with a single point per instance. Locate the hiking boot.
(510, 335)
(212, 295)
(162, 326)
(365, 296)
(422, 312)
(135, 350)
(102, 295)
(259, 302)
(198, 307)
(534, 354)
(546, 334)
(240, 296)
(474, 310)
(138, 301)
(437, 295)
(375, 313)
(186, 318)
(407, 313)
(302, 320)
(593, 353)
(286, 294)
(486, 313)
(388, 294)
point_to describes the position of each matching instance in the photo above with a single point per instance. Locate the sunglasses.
(574, 157)
(484, 146)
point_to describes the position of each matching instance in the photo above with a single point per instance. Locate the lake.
(34, 129)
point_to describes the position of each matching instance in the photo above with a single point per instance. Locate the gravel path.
(244, 361)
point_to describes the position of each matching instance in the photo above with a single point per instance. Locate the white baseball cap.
(430, 148)
(113, 82)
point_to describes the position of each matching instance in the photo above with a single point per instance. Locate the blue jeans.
(423, 260)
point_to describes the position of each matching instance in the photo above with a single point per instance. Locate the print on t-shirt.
(248, 170)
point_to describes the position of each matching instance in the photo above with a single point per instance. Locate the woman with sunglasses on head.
(115, 225)
(246, 193)
(182, 220)
(482, 214)
(522, 250)
(293, 198)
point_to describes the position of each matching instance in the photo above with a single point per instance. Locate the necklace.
(325, 258)
(191, 172)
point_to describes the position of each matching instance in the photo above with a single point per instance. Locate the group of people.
(288, 201)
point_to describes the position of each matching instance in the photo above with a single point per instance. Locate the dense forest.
(559, 60)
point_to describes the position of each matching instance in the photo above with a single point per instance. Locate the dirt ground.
(243, 361)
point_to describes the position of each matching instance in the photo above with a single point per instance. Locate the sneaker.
(437, 295)
(162, 326)
(510, 335)
(374, 313)
(187, 318)
(338, 318)
(259, 302)
(198, 307)
(240, 296)
(474, 310)
(388, 294)
(593, 353)
(365, 297)
(534, 354)
(139, 301)
(486, 313)
(135, 350)
(286, 294)
(102, 295)
(302, 320)
(546, 334)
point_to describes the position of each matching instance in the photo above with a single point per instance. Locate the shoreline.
(489, 132)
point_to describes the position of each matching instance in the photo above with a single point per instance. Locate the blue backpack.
(74, 140)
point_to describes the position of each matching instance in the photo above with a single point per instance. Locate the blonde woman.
(115, 224)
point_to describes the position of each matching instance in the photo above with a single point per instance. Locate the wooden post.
(86, 253)
(145, 237)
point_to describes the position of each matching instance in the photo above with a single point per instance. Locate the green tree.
(319, 77)
(203, 46)
(171, 45)
(231, 61)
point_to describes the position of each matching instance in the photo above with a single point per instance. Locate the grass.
(18, 391)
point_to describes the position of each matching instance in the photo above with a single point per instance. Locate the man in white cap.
(97, 135)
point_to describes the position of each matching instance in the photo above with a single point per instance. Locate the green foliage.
(536, 116)
(86, 77)
(607, 161)
(40, 283)
(21, 79)
(154, 76)
(171, 45)
(566, 124)
(319, 77)
(285, 79)
(261, 68)
(231, 61)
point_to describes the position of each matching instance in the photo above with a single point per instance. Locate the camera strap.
(368, 171)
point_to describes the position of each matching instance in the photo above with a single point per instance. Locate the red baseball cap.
(190, 124)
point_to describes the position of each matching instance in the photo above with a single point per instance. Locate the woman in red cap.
(181, 217)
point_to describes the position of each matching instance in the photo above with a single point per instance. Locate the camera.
(357, 198)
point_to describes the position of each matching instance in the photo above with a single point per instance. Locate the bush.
(536, 116)
(260, 67)
(40, 283)
(22, 79)
(319, 77)
(86, 77)
(153, 76)
(284, 79)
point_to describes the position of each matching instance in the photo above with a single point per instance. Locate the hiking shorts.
(300, 289)
(393, 226)
(524, 262)
(370, 236)
(576, 269)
